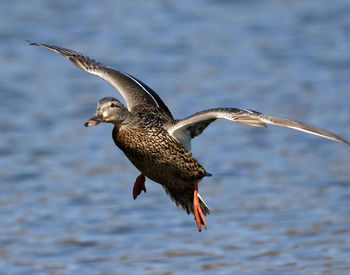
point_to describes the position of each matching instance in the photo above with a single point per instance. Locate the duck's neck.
(126, 119)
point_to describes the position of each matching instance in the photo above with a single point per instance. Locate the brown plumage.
(159, 156)
(157, 144)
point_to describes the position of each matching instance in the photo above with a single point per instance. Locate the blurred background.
(279, 198)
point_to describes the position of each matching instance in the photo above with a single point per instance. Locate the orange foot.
(198, 214)
(139, 186)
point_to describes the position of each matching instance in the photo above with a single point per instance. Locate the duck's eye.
(112, 105)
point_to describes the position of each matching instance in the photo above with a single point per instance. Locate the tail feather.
(184, 197)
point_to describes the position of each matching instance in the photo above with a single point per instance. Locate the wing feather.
(186, 129)
(134, 91)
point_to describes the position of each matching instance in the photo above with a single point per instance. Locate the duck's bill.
(92, 122)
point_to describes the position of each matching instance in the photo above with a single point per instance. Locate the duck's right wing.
(134, 91)
(186, 129)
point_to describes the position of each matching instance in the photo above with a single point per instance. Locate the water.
(279, 197)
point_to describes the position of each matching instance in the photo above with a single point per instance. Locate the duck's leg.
(139, 186)
(198, 214)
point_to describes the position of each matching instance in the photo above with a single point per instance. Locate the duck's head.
(110, 110)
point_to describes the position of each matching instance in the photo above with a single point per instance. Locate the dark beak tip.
(92, 122)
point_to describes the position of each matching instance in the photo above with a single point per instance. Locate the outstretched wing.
(133, 90)
(186, 129)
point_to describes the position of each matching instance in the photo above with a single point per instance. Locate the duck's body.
(158, 145)
(159, 156)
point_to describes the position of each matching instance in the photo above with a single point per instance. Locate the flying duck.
(156, 143)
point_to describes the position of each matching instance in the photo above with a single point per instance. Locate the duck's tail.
(183, 195)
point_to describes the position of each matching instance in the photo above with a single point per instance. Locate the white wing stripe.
(127, 75)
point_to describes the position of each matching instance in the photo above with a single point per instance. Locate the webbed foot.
(139, 186)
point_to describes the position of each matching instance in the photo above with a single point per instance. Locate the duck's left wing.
(186, 129)
(134, 91)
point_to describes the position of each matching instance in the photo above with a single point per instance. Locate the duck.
(158, 145)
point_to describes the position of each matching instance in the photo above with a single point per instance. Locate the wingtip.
(337, 138)
(32, 43)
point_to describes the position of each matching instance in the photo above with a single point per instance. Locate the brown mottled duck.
(156, 143)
